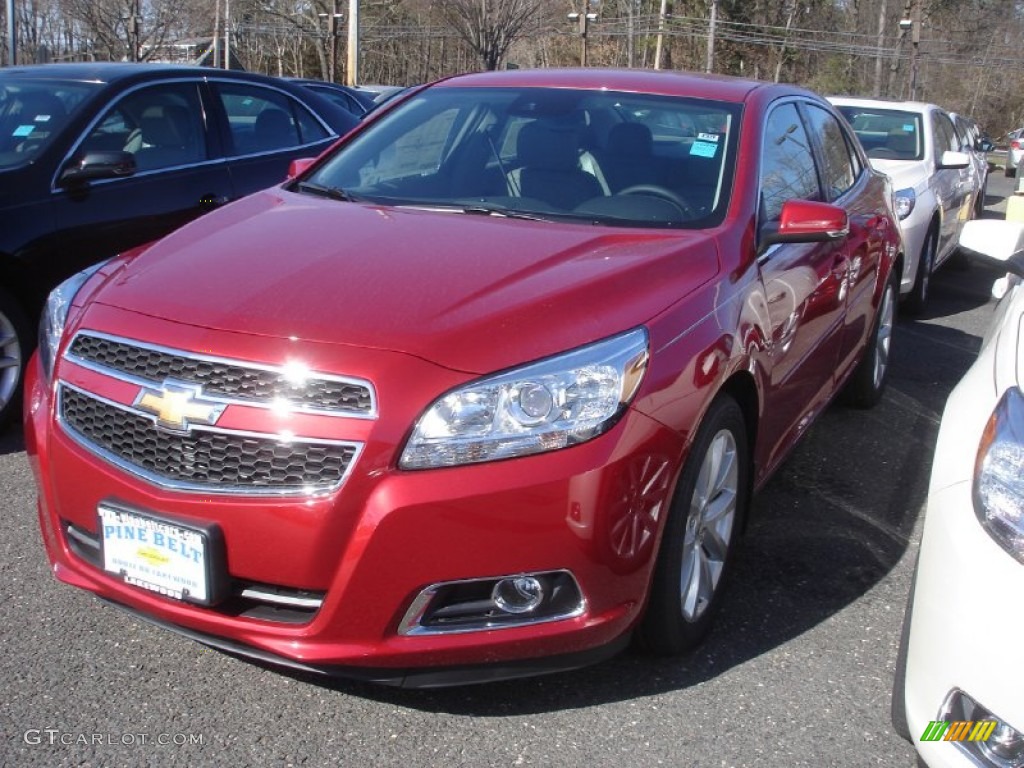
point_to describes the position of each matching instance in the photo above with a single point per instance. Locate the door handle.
(213, 201)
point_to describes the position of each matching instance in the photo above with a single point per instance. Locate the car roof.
(909, 106)
(663, 82)
(109, 72)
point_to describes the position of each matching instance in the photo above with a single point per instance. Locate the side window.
(945, 136)
(787, 163)
(161, 125)
(265, 120)
(838, 169)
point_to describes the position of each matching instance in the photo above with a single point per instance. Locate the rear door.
(952, 185)
(263, 130)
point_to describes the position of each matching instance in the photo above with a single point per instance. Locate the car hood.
(904, 173)
(470, 292)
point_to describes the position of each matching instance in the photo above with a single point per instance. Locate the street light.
(333, 19)
(583, 19)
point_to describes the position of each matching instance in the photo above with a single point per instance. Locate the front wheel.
(15, 346)
(918, 295)
(700, 539)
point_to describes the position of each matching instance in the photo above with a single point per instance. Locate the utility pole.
(630, 32)
(227, 34)
(661, 34)
(583, 19)
(134, 47)
(915, 44)
(12, 36)
(332, 18)
(710, 65)
(352, 74)
(877, 91)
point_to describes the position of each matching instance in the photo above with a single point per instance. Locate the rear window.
(887, 134)
(33, 113)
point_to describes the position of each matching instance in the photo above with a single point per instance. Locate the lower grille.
(204, 460)
(249, 600)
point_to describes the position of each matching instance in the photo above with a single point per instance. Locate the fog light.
(500, 602)
(520, 594)
(1004, 747)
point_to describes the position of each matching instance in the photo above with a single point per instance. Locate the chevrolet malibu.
(482, 392)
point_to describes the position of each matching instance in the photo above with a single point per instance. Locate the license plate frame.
(178, 560)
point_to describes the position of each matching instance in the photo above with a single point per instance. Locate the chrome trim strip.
(372, 413)
(208, 488)
(410, 625)
(253, 593)
(81, 537)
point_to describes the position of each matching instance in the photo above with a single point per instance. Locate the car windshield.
(887, 134)
(620, 159)
(33, 113)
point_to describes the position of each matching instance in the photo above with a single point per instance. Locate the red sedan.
(482, 392)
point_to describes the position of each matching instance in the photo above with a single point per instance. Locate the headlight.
(904, 200)
(999, 474)
(544, 406)
(55, 314)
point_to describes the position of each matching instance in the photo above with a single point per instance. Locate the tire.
(699, 543)
(16, 344)
(918, 296)
(866, 385)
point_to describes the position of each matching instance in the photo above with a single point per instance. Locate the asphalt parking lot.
(796, 673)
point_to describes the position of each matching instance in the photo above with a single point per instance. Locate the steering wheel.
(665, 194)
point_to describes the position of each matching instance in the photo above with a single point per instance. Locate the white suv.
(936, 186)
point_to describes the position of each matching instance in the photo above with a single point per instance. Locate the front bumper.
(371, 547)
(966, 620)
(966, 624)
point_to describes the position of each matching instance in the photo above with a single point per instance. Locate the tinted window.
(265, 120)
(32, 113)
(838, 171)
(787, 162)
(162, 125)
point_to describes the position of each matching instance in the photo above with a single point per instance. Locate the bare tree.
(490, 27)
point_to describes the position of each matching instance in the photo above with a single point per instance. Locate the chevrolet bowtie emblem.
(178, 406)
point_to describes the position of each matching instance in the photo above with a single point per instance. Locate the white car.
(936, 185)
(959, 684)
(1014, 151)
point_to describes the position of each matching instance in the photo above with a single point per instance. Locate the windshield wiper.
(482, 209)
(334, 193)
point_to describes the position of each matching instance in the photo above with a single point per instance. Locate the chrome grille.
(205, 460)
(226, 379)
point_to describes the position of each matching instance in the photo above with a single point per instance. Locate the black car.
(99, 158)
(356, 100)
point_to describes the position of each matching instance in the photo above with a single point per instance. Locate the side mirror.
(804, 221)
(995, 241)
(299, 166)
(98, 165)
(984, 145)
(953, 160)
